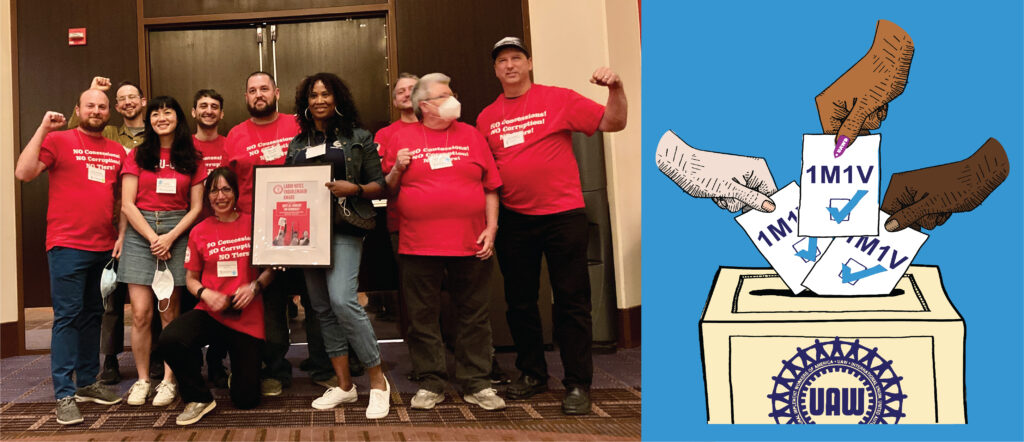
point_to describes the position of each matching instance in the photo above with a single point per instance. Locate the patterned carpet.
(27, 409)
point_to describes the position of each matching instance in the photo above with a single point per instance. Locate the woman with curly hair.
(330, 132)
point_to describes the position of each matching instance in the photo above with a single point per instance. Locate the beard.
(85, 124)
(210, 126)
(132, 113)
(267, 111)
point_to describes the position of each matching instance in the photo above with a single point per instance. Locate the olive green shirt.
(120, 134)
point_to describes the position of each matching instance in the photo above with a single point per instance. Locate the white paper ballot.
(865, 265)
(775, 236)
(839, 196)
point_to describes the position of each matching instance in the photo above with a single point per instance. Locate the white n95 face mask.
(163, 284)
(450, 110)
(108, 281)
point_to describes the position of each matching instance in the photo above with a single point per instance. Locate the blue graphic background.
(741, 77)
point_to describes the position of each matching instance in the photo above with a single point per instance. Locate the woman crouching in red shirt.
(230, 310)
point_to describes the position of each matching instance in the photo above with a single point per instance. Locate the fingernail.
(768, 206)
(892, 225)
(841, 144)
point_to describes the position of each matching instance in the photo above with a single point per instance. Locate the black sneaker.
(526, 386)
(111, 373)
(577, 401)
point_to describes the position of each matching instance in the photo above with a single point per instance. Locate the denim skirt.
(138, 264)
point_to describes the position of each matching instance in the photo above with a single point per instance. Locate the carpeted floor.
(27, 409)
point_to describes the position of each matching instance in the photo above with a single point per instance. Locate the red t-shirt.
(531, 139)
(213, 156)
(250, 145)
(383, 138)
(83, 175)
(441, 200)
(217, 248)
(212, 152)
(156, 193)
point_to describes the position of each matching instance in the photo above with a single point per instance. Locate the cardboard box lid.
(759, 295)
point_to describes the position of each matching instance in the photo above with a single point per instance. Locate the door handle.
(259, 45)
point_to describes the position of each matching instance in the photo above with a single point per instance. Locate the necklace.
(446, 132)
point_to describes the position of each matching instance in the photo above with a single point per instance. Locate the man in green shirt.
(131, 104)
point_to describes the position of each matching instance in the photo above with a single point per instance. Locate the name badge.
(439, 161)
(514, 138)
(316, 151)
(227, 269)
(96, 174)
(167, 185)
(272, 153)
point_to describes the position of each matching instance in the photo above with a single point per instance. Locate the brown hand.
(342, 188)
(927, 197)
(858, 100)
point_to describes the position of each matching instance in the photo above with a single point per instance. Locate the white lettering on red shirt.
(80, 210)
(213, 244)
(250, 145)
(530, 137)
(441, 210)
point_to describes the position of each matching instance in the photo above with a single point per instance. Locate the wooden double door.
(182, 61)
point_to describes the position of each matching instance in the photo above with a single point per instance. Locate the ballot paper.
(775, 237)
(865, 265)
(839, 196)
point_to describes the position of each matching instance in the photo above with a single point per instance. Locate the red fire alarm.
(76, 36)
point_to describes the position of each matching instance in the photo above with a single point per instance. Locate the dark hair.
(211, 180)
(400, 77)
(129, 83)
(272, 80)
(184, 157)
(207, 93)
(345, 123)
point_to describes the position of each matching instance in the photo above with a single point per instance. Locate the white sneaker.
(165, 393)
(487, 399)
(334, 396)
(380, 402)
(139, 392)
(426, 399)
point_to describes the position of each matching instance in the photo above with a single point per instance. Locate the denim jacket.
(361, 162)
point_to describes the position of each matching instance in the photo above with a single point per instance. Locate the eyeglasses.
(445, 96)
(224, 190)
(125, 98)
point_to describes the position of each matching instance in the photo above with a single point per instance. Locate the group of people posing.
(166, 203)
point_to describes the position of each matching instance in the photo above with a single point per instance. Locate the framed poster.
(291, 216)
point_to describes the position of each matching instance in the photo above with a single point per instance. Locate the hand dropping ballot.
(839, 196)
(865, 265)
(775, 236)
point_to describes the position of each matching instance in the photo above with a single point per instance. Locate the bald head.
(93, 110)
(94, 95)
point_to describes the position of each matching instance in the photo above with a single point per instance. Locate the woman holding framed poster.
(330, 133)
(162, 196)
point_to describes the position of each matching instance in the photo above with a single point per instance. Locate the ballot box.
(771, 356)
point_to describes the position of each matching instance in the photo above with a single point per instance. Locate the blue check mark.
(812, 250)
(840, 214)
(849, 277)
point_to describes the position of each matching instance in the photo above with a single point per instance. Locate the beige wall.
(569, 39)
(8, 251)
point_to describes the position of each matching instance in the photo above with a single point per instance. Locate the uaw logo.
(837, 382)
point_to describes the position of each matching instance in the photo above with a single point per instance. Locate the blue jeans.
(333, 293)
(77, 312)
